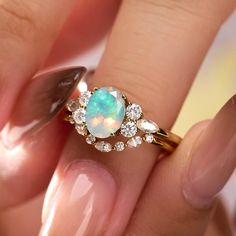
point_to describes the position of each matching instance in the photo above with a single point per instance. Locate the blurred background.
(214, 85)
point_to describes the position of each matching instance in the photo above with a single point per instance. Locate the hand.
(154, 51)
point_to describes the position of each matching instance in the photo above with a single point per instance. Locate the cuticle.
(94, 164)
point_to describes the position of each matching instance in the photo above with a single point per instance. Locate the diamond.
(79, 116)
(81, 129)
(90, 139)
(148, 138)
(134, 111)
(84, 98)
(119, 146)
(105, 112)
(70, 119)
(134, 142)
(147, 126)
(72, 105)
(103, 146)
(128, 129)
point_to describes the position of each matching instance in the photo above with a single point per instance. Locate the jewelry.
(106, 112)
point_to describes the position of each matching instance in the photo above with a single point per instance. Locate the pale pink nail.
(213, 158)
(83, 202)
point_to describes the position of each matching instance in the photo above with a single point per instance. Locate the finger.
(220, 222)
(28, 30)
(30, 147)
(88, 23)
(199, 169)
(138, 61)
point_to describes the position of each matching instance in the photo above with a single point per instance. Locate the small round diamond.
(148, 138)
(119, 146)
(134, 142)
(128, 129)
(103, 146)
(79, 116)
(134, 111)
(72, 105)
(84, 98)
(81, 129)
(90, 139)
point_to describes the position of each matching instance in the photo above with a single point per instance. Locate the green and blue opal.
(105, 112)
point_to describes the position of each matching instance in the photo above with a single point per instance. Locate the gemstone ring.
(107, 113)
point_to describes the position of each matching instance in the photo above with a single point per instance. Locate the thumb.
(180, 195)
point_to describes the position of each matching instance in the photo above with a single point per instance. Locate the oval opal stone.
(105, 112)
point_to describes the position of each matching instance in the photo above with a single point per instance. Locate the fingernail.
(213, 158)
(83, 202)
(235, 219)
(40, 102)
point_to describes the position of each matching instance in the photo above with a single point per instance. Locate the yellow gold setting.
(107, 113)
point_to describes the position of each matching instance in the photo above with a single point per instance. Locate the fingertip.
(212, 159)
(86, 195)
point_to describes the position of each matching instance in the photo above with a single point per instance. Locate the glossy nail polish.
(40, 102)
(213, 158)
(83, 202)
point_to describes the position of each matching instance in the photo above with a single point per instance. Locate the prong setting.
(132, 124)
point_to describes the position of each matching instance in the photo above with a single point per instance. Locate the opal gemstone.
(105, 112)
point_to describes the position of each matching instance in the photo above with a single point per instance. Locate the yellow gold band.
(166, 140)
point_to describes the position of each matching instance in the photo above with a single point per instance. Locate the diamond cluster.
(129, 124)
(77, 109)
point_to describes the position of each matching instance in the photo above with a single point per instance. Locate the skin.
(153, 53)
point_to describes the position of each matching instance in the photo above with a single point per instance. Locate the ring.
(106, 112)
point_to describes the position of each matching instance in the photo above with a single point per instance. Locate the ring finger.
(153, 54)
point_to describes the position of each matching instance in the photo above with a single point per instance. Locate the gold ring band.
(107, 113)
(167, 140)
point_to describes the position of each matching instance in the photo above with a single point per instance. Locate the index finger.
(27, 32)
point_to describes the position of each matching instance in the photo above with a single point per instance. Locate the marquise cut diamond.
(103, 146)
(147, 126)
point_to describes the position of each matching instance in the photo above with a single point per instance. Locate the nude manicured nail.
(41, 101)
(213, 158)
(82, 203)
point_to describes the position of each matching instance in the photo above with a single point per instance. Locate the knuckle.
(136, 83)
(182, 13)
(17, 19)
